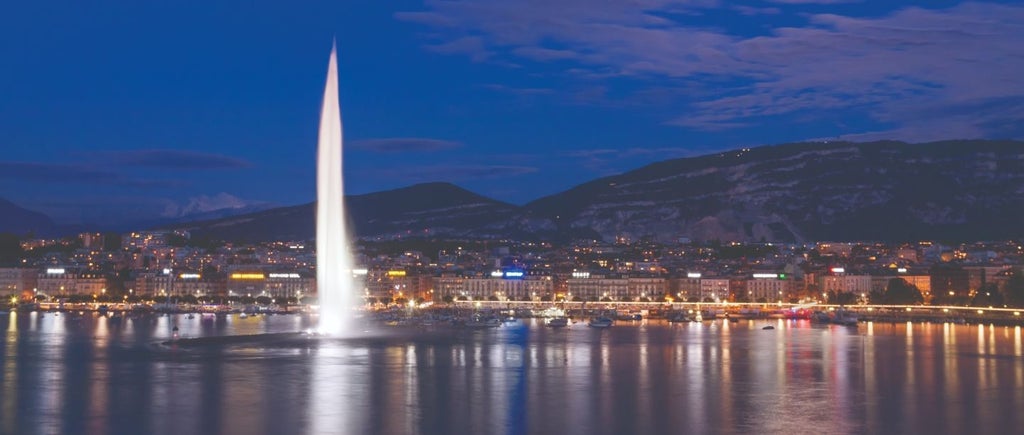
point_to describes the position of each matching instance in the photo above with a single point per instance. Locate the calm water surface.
(73, 373)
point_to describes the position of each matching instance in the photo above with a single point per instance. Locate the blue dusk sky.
(125, 110)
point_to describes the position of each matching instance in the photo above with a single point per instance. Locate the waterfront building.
(58, 281)
(16, 281)
(507, 285)
(714, 289)
(272, 284)
(587, 287)
(769, 287)
(859, 285)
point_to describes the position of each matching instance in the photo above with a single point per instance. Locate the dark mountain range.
(885, 191)
(888, 191)
(423, 210)
(19, 221)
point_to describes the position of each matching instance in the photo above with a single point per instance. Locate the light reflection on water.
(80, 373)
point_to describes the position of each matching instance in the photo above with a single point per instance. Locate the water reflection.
(82, 373)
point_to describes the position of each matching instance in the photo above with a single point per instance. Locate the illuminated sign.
(765, 275)
(189, 276)
(396, 273)
(838, 270)
(693, 275)
(496, 274)
(514, 274)
(902, 270)
(55, 271)
(167, 271)
(359, 271)
(581, 274)
(284, 275)
(247, 276)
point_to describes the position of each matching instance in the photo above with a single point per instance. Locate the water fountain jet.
(333, 257)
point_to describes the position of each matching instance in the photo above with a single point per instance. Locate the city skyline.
(217, 103)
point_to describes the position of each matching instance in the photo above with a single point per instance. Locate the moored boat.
(558, 322)
(600, 322)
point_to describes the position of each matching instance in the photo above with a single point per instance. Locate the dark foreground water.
(82, 374)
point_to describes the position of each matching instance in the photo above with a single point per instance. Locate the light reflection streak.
(338, 399)
(9, 377)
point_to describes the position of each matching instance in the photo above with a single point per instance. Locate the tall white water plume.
(333, 258)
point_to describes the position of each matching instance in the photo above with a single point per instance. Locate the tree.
(264, 300)
(901, 292)
(846, 298)
(988, 296)
(1014, 290)
(448, 299)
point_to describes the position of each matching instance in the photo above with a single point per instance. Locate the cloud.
(751, 11)
(817, 2)
(516, 90)
(890, 68)
(59, 173)
(454, 172)
(405, 145)
(175, 159)
(472, 46)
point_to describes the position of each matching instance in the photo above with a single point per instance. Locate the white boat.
(600, 322)
(480, 321)
(242, 316)
(558, 322)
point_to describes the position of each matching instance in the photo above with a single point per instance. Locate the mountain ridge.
(884, 190)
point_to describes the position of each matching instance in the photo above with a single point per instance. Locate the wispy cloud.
(751, 10)
(888, 67)
(174, 159)
(817, 2)
(454, 172)
(405, 145)
(57, 173)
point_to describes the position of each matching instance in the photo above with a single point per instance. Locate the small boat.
(242, 316)
(768, 327)
(600, 322)
(678, 318)
(481, 322)
(190, 316)
(558, 322)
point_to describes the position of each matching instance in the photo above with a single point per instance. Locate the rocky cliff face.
(809, 191)
(887, 191)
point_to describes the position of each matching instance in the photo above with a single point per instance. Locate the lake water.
(72, 373)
